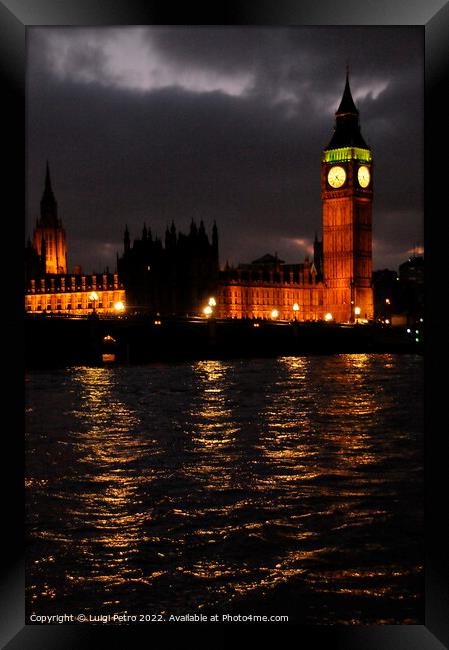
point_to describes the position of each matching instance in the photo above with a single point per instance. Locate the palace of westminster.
(181, 276)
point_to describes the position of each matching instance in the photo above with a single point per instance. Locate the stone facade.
(75, 295)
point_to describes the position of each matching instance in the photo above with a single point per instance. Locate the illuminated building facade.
(180, 276)
(49, 236)
(49, 288)
(347, 197)
(339, 280)
(75, 295)
(269, 288)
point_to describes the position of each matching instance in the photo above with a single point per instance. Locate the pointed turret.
(43, 248)
(49, 206)
(318, 255)
(347, 127)
(215, 237)
(167, 238)
(193, 229)
(47, 179)
(347, 106)
(49, 235)
(126, 240)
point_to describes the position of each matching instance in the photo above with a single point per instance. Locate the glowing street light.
(274, 313)
(357, 311)
(119, 306)
(93, 296)
(328, 317)
(296, 309)
(212, 302)
(207, 311)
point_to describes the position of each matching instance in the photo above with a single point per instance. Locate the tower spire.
(347, 105)
(126, 240)
(47, 179)
(347, 128)
(49, 206)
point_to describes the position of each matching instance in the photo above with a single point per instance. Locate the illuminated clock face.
(363, 176)
(336, 176)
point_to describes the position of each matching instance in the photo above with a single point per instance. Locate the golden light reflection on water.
(288, 411)
(212, 414)
(108, 448)
(354, 407)
(261, 486)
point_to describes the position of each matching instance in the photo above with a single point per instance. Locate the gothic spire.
(193, 228)
(49, 206)
(347, 128)
(347, 106)
(126, 240)
(48, 180)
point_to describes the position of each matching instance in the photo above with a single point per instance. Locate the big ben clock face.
(363, 176)
(336, 176)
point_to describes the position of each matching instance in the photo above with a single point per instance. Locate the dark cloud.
(224, 124)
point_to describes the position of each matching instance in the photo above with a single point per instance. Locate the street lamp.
(93, 296)
(388, 309)
(207, 311)
(357, 311)
(328, 317)
(296, 309)
(119, 307)
(274, 314)
(212, 302)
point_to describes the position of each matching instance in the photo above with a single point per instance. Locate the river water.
(289, 486)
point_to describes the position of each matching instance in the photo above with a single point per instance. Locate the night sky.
(154, 124)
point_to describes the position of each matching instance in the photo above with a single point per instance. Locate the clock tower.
(347, 197)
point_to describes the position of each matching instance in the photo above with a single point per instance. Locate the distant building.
(268, 286)
(411, 283)
(49, 235)
(49, 288)
(412, 270)
(171, 278)
(75, 295)
(386, 294)
(399, 298)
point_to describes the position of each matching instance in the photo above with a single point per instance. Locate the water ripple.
(262, 485)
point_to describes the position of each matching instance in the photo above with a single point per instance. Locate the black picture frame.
(15, 17)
